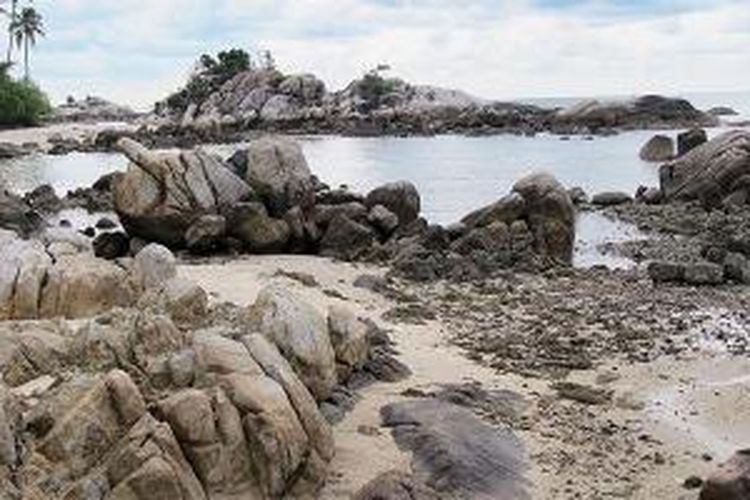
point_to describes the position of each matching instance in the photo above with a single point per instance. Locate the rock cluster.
(164, 398)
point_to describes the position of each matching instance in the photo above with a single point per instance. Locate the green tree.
(26, 27)
(21, 102)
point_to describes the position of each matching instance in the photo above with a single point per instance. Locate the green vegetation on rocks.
(21, 102)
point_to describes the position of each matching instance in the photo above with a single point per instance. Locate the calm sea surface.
(454, 174)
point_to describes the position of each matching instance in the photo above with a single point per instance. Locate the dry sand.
(41, 135)
(682, 410)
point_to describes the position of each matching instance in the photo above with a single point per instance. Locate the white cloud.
(137, 50)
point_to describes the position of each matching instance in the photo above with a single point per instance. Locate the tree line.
(21, 102)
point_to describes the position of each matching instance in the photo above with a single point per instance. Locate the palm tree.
(25, 28)
(11, 13)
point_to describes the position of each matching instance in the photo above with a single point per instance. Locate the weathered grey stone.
(401, 198)
(301, 335)
(658, 148)
(278, 172)
(550, 215)
(349, 339)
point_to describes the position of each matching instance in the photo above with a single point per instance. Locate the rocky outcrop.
(645, 112)
(92, 109)
(59, 276)
(711, 172)
(162, 196)
(659, 148)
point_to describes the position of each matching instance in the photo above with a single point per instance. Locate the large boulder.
(550, 215)
(162, 195)
(658, 148)
(401, 198)
(301, 335)
(279, 174)
(710, 171)
(345, 239)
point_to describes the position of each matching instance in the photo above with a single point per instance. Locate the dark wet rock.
(666, 272)
(401, 198)
(9, 151)
(89, 231)
(731, 481)
(704, 273)
(658, 148)
(648, 195)
(324, 214)
(583, 393)
(206, 233)
(306, 279)
(457, 453)
(507, 210)
(105, 223)
(395, 485)
(578, 196)
(338, 196)
(17, 215)
(346, 239)
(688, 141)
(722, 111)
(692, 483)
(112, 245)
(550, 216)
(372, 282)
(609, 199)
(383, 219)
(737, 267)
(44, 199)
(259, 233)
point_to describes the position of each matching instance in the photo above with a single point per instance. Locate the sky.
(137, 51)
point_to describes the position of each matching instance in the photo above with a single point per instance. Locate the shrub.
(212, 74)
(22, 103)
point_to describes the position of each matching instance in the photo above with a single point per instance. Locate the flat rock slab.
(456, 453)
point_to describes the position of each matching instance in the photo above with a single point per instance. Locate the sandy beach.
(668, 420)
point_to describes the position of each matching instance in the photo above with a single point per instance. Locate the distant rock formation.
(92, 109)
